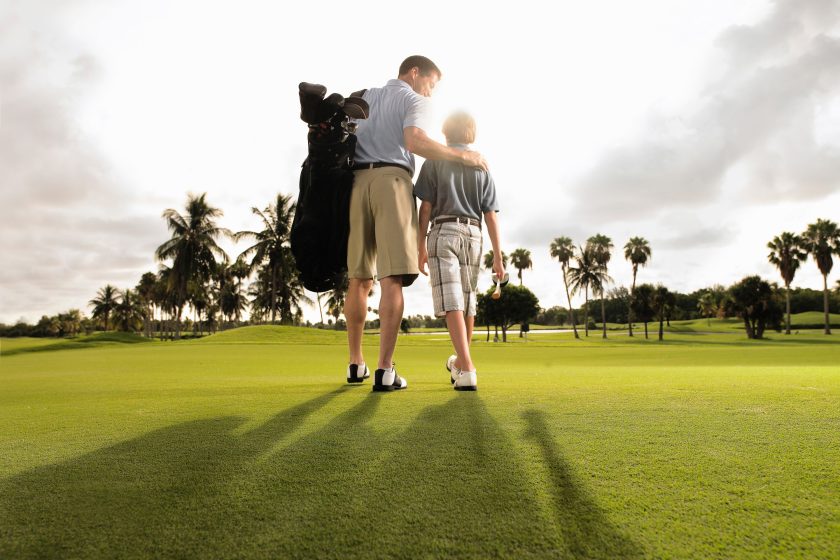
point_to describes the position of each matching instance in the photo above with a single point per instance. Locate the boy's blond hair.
(459, 128)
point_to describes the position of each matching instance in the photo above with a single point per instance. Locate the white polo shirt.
(392, 108)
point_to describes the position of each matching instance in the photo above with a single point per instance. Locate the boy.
(454, 198)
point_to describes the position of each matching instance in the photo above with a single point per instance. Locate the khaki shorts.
(383, 225)
(454, 258)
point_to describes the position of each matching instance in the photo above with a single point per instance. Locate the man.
(383, 217)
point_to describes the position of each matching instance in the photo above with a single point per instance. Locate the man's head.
(420, 73)
(459, 128)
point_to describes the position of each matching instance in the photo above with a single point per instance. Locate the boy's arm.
(418, 142)
(422, 229)
(492, 221)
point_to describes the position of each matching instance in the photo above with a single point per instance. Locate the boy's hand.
(498, 267)
(423, 260)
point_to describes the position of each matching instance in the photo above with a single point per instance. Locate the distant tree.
(601, 246)
(104, 303)
(336, 298)
(754, 300)
(69, 323)
(516, 306)
(145, 291)
(643, 304)
(707, 306)
(786, 253)
(232, 297)
(47, 326)
(662, 302)
(193, 248)
(164, 295)
(289, 295)
(563, 250)
(822, 240)
(637, 251)
(554, 315)
(589, 274)
(272, 249)
(129, 312)
(520, 259)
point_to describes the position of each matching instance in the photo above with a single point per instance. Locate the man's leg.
(390, 314)
(458, 333)
(355, 311)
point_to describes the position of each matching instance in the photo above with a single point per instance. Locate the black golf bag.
(322, 214)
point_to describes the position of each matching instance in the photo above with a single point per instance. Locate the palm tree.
(637, 251)
(488, 260)
(192, 248)
(104, 303)
(643, 304)
(272, 245)
(707, 306)
(821, 240)
(563, 250)
(601, 246)
(164, 298)
(145, 290)
(231, 295)
(589, 274)
(786, 253)
(335, 300)
(662, 302)
(128, 315)
(286, 301)
(520, 259)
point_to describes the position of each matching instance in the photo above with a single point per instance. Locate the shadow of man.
(158, 495)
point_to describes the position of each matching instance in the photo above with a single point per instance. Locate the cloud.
(757, 113)
(66, 220)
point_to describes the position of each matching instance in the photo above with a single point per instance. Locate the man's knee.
(360, 285)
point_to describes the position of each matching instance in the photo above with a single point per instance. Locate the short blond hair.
(459, 128)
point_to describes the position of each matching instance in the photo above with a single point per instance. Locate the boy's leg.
(470, 321)
(458, 333)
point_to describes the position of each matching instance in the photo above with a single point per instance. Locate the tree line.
(585, 269)
(195, 273)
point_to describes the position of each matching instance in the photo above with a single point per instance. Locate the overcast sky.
(705, 127)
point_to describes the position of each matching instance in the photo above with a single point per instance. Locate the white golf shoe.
(466, 381)
(451, 368)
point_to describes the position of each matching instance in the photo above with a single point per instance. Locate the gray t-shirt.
(456, 190)
(392, 109)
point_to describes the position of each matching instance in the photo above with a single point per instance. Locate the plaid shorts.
(454, 259)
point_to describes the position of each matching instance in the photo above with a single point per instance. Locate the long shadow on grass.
(586, 531)
(451, 484)
(165, 494)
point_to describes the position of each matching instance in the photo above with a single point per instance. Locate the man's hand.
(423, 260)
(474, 159)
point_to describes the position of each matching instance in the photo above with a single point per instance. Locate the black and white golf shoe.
(388, 380)
(357, 373)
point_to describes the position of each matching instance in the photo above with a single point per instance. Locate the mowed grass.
(249, 444)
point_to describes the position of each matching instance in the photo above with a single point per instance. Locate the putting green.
(248, 444)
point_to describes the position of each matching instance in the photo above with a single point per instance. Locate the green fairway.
(248, 444)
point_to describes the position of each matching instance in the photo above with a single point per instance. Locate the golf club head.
(504, 282)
